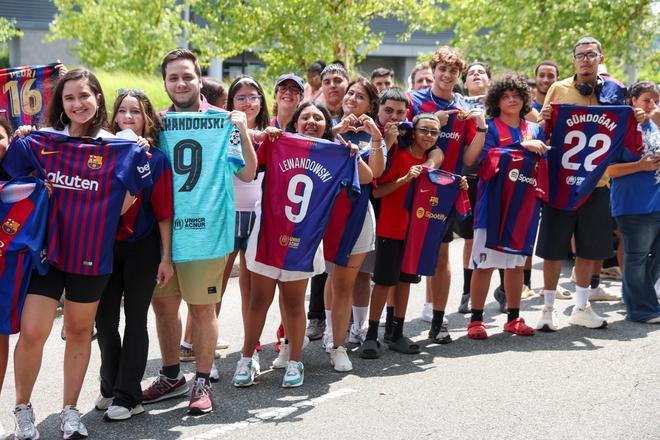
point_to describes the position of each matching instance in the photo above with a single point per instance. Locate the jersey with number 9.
(303, 178)
(584, 140)
(205, 151)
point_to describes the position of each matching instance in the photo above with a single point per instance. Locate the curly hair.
(508, 82)
(449, 56)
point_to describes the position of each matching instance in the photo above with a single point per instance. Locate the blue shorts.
(244, 224)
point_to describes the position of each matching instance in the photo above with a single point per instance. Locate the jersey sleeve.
(37, 241)
(539, 133)
(543, 180)
(19, 159)
(490, 142)
(234, 150)
(462, 204)
(490, 165)
(162, 193)
(134, 170)
(353, 187)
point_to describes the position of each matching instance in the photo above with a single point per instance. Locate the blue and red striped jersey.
(26, 91)
(584, 141)
(303, 178)
(435, 197)
(455, 135)
(90, 178)
(500, 134)
(348, 215)
(512, 184)
(153, 204)
(23, 218)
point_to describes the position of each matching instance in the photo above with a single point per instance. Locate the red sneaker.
(280, 336)
(477, 330)
(165, 388)
(518, 327)
(201, 398)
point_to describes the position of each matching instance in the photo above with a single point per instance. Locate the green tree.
(127, 35)
(8, 30)
(290, 34)
(515, 34)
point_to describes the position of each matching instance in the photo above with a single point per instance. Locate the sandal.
(370, 349)
(405, 345)
(518, 327)
(477, 330)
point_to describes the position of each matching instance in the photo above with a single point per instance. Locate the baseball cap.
(293, 77)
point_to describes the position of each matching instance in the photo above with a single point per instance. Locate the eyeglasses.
(588, 55)
(291, 89)
(252, 99)
(428, 132)
(134, 92)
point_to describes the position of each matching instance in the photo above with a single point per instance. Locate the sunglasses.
(134, 92)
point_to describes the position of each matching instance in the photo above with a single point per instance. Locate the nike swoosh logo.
(45, 153)
(516, 159)
(424, 190)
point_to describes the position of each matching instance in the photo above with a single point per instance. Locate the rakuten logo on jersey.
(63, 181)
(453, 135)
(514, 175)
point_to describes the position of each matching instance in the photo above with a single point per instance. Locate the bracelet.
(482, 130)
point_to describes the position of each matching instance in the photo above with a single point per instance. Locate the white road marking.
(271, 414)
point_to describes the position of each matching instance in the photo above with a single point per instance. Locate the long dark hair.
(263, 120)
(151, 121)
(327, 134)
(57, 118)
(372, 94)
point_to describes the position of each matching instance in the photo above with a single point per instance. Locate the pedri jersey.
(26, 91)
(90, 178)
(348, 215)
(204, 149)
(431, 201)
(303, 177)
(23, 218)
(512, 184)
(455, 134)
(153, 204)
(584, 141)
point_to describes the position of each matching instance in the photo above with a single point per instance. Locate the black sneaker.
(440, 334)
(500, 297)
(465, 304)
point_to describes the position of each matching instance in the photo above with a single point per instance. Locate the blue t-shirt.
(638, 193)
(204, 149)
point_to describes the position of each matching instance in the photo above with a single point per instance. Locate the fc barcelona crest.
(10, 226)
(95, 162)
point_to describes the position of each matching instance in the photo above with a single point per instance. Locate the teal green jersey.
(204, 149)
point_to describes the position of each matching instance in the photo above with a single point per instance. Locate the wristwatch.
(483, 130)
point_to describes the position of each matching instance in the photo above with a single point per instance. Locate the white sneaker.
(339, 359)
(586, 317)
(214, 374)
(70, 423)
(24, 420)
(255, 363)
(283, 357)
(294, 376)
(600, 294)
(527, 292)
(328, 342)
(357, 335)
(116, 413)
(547, 321)
(102, 403)
(245, 373)
(427, 312)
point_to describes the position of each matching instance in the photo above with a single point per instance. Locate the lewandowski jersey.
(512, 184)
(90, 178)
(303, 178)
(25, 93)
(153, 204)
(23, 218)
(585, 140)
(431, 203)
(205, 151)
(455, 134)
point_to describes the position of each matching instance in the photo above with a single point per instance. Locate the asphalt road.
(573, 384)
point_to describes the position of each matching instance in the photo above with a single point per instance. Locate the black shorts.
(389, 257)
(465, 228)
(591, 224)
(449, 233)
(79, 288)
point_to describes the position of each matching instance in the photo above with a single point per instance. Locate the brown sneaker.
(165, 388)
(186, 354)
(201, 398)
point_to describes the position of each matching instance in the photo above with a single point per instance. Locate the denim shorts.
(244, 224)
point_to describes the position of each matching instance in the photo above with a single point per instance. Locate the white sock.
(328, 323)
(581, 296)
(360, 316)
(549, 298)
(184, 344)
(246, 358)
